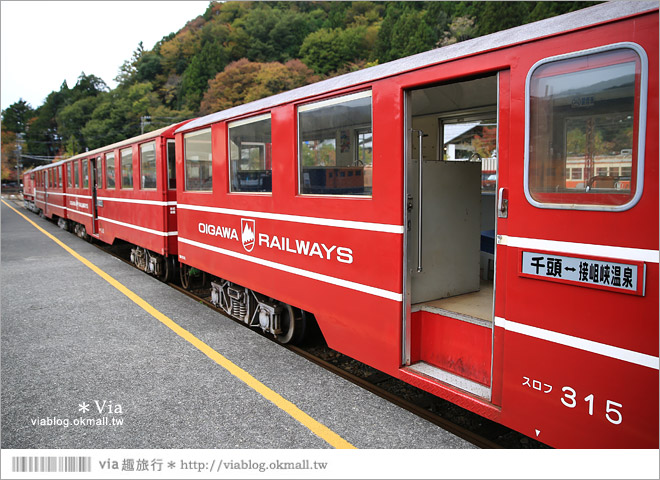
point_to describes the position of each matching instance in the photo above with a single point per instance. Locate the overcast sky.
(46, 42)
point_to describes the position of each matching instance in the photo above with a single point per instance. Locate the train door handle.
(503, 203)
(420, 198)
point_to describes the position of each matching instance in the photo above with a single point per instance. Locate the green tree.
(326, 51)
(16, 116)
(409, 28)
(42, 136)
(148, 67)
(460, 29)
(128, 70)
(204, 66)
(72, 118)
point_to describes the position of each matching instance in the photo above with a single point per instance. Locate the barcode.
(51, 464)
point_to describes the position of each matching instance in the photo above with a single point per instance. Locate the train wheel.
(184, 276)
(166, 271)
(191, 277)
(293, 324)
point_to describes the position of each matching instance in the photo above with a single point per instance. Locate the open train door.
(95, 166)
(45, 210)
(454, 184)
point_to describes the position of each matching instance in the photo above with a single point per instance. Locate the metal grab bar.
(420, 135)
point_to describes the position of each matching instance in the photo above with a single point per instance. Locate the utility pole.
(19, 158)
(145, 120)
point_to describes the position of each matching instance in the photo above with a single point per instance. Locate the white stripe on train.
(629, 356)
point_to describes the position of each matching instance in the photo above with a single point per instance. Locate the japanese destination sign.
(601, 274)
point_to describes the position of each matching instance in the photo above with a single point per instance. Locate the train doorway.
(46, 174)
(95, 165)
(451, 181)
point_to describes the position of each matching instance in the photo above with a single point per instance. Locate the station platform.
(85, 366)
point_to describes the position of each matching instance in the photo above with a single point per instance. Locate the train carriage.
(49, 192)
(360, 200)
(28, 189)
(127, 191)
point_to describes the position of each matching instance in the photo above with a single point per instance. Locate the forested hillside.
(241, 51)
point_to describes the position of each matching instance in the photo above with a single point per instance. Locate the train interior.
(450, 242)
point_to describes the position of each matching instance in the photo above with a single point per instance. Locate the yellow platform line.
(313, 425)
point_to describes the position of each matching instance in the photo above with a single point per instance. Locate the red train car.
(127, 191)
(536, 304)
(49, 192)
(28, 190)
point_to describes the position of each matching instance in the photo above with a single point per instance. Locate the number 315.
(613, 415)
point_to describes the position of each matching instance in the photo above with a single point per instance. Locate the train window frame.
(152, 146)
(69, 176)
(76, 174)
(129, 169)
(99, 172)
(640, 87)
(110, 160)
(60, 175)
(171, 164)
(231, 161)
(189, 163)
(85, 173)
(354, 129)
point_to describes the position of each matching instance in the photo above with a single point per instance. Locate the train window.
(76, 177)
(197, 159)
(59, 170)
(126, 165)
(335, 147)
(69, 177)
(148, 165)
(110, 170)
(171, 164)
(584, 138)
(99, 172)
(85, 173)
(250, 165)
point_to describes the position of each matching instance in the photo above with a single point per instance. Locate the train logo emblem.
(247, 234)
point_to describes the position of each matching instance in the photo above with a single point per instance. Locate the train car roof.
(128, 141)
(570, 21)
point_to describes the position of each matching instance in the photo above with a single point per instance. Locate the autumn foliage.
(244, 81)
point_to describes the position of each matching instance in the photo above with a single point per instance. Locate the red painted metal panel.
(577, 398)
(454, 345)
